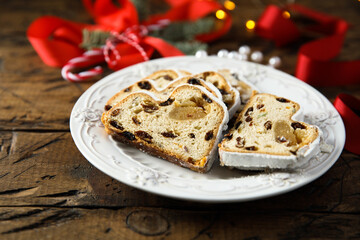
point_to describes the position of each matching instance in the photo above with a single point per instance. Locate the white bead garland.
(244, 50)
(201, 53)
(257, 56)
(275, 61)
(223, 53)
(233, 55)
(243, 54)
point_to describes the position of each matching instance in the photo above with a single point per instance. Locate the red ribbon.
(314, 64)
(57, 40)
(349, 109)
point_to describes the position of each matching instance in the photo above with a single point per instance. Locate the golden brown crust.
(156, 152)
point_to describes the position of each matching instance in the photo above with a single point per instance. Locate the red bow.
(57, 40)
(314, 64)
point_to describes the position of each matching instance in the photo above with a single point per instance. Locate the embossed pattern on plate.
(158, 176)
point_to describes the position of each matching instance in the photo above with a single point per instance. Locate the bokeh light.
(229, 5)
(286, 14)
(220, 14)
(250, 24)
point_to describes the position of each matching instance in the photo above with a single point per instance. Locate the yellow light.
(250, 24)
(230, 5)
(220, 14)
(286, 14)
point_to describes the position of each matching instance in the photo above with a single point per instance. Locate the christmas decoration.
(186, 26)
(243, 55)
(314, 64)
(349, 109)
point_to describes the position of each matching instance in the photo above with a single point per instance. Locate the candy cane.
(129, 37)
(87, 59)
(94, 57)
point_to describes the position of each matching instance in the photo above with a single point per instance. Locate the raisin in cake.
(163, 94)
(231, 96)
(184, 129)
(165, 76)
(265, 136)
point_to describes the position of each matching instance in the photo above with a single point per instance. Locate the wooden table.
(48, 190)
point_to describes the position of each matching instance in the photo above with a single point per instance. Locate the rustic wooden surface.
(48, 190)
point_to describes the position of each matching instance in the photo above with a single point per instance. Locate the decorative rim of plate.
(136, 169)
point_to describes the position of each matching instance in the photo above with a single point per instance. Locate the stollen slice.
(185, 129)
(163, 94)
(266, 136)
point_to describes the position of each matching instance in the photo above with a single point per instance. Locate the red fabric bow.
(314, 64)
(57, 40)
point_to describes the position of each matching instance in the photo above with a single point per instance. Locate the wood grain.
(48, 190)
(160, 223)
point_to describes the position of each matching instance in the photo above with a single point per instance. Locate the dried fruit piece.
(187, 113)
(136, 120)
(128, 135)
(169, 134)
(259, 106)
(283, 131)
(194, 81)
(248, 111)
(206, 98)
(228, 136)
(251, 148)
(127, 89)
(205, 75)
(186, 149)
(149, 106)
(144, 136)
(115, 112)
(117, 125)
(167, 77)
(240, 142)
(108, 107)
(248, 119)
(268, 125)
(144, 85)
(191, 135)
(223, 92)
(283, 100)
(296, 125)
(209, 135)
(167, 102)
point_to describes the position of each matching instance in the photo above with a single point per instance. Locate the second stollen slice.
(266, 136)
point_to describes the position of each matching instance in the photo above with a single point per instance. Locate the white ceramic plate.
(158, 176)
